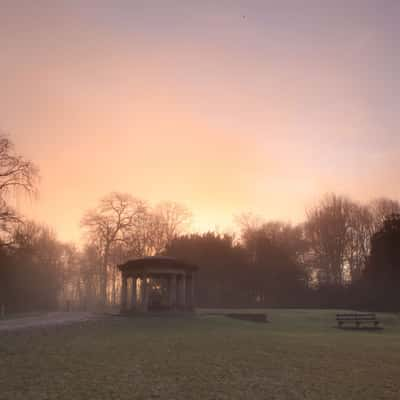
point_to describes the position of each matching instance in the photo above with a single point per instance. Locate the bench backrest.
(356, 317)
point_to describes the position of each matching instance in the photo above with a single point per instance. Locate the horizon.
(260, 107)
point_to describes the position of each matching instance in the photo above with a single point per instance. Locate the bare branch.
(16, 175)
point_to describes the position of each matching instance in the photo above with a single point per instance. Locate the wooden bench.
(358, 319)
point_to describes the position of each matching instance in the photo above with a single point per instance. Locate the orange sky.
(223, 107)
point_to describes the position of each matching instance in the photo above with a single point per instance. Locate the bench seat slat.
(349, 316)
(357, 319)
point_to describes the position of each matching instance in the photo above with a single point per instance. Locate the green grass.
(299, 355)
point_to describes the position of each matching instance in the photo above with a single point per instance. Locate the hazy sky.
(225, 106)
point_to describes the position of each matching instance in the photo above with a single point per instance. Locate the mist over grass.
(299, 355)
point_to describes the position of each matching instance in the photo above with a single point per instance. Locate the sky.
(224, 106)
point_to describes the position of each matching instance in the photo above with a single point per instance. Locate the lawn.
(298, 355)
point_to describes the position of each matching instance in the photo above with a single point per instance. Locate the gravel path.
(49, 319)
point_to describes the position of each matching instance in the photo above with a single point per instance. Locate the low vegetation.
(299, 355)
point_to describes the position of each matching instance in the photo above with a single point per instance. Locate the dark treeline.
(344, 254)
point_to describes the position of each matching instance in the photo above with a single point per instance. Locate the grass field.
(299, 355)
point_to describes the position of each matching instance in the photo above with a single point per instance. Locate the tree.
(248, 221)
(31, 273)
(90, 275)
(72, 285)
(123, 227)
(358, 240)
(222, 278)
(108, 224)
(264, 268)
(276, 255)
(17, 175)
(170, 220)
(382, 208)
(383, 268)
(327, 229)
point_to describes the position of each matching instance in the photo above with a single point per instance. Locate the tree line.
(344, 254)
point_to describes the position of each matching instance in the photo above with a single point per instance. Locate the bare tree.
(170, 220)
(107, 225)
(249, 222)
(380, 209)
(72, 288)
(340, 231)
(358, 240)
(17, 174)
(90, 271)
(139, 236)
(38, 255)
(327, 230)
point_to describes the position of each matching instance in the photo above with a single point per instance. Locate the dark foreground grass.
(299, 355)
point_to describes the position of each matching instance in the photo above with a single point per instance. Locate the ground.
(298, 355)
(35, 320)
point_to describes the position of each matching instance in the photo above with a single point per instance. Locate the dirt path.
(49, 319)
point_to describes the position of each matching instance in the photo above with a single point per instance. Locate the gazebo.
(157, 283)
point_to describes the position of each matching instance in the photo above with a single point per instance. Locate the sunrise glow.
(214, 107)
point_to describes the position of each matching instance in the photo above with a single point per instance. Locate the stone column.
(172, 291)
(145, 294)
(124, 293)
(182, 292)
(190, 291)
(133, 293)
